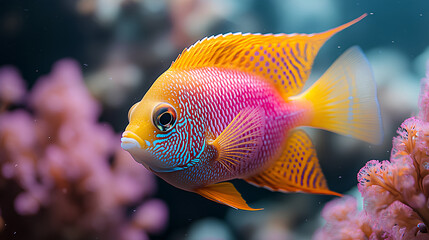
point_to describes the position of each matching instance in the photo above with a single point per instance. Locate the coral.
(13, 87)
(344, 221)
(63, 175)
(395, 191)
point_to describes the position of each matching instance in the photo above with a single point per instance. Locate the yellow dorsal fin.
(225, 193)
(284, 60)
(241, 139)
(297, 169)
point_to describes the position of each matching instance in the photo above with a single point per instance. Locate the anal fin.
(225, 193)
(297, 169)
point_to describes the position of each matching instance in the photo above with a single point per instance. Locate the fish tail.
(344, 99)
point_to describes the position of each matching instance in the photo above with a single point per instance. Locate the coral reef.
(395, 192)
(63, 174)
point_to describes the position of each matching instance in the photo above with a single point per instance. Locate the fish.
(232, 106)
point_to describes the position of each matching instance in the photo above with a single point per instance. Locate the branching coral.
(395, 192)
(63, 174)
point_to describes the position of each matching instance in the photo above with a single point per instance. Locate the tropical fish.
(229, 108)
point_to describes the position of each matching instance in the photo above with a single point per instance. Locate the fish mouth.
(132, 143)
(130, 140)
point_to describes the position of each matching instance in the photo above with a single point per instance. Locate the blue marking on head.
(179, 148)
(159, 141)
(157, 147)
(182, 149)
(163, 135)
(185, 121)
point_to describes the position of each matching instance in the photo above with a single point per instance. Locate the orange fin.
(225, 193)
(283, 60)
(241, 139)
(344, 99)
(297, 169)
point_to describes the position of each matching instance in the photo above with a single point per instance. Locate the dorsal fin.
(284, 60)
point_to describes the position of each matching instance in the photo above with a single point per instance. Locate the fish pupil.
(165, 118)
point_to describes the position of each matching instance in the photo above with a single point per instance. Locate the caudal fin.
(344, 99)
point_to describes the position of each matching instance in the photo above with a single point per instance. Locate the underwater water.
(70, 71)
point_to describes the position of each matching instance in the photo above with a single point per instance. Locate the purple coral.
(345, 221)
(395, 191)
(12, 87)
(63, 175)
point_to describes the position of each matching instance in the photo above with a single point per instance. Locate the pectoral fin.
(225, 193)
(241, 139)
(297, 169)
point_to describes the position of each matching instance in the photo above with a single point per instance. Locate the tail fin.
(344, 99)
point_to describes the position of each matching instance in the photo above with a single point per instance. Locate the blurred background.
(96, 58)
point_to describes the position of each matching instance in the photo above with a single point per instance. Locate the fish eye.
(130, 112)
(164, 117)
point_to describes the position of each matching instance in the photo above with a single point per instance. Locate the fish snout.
(137, 148)
(130, 141)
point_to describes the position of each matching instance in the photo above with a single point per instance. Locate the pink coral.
(12, 86)
(344, 221)
(395, 191)
(63, 175)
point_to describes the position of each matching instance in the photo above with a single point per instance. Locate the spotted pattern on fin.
(297, 170)
(284, 60)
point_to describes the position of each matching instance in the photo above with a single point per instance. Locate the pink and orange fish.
(230, 105)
